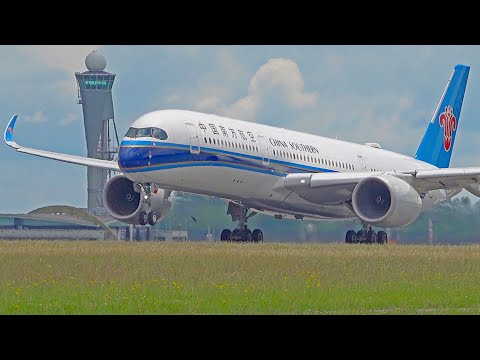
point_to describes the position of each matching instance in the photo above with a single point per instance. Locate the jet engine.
(125, 201)
(386, 201)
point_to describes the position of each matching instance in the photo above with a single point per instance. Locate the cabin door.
(263, 145)
(194, 138)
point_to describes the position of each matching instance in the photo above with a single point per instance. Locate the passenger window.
(210, 140)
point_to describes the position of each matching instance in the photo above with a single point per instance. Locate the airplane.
(279, 172)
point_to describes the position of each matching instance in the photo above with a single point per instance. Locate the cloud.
(67, 119)
(37, 118)
(278, 79)
(66, 58)
(208, 104)
(70, 58)
(172, 98)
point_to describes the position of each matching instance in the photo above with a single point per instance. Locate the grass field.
(57, 277)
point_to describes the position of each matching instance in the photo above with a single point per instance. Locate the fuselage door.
(194, 138)
(362, 162)
(263, 144)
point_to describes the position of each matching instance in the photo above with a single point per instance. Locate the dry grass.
(60, 277)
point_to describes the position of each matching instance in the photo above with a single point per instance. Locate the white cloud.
(285, 75)
(67, 58)
(37, 118)
(67, 119)
(281, 77)
(172, 99)
(70, 58)
(208, 104)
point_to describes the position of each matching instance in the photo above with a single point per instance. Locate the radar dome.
(95, 61)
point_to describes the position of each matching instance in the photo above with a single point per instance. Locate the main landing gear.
(242, 233)
(366, 236)
(149, 216)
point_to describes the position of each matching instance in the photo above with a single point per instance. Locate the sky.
(375, 93)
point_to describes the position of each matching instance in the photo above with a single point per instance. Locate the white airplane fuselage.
(247, 162)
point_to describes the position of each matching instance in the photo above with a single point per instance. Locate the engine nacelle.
(124, 200)
(386, 201)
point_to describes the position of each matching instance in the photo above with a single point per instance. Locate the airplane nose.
(133, 157)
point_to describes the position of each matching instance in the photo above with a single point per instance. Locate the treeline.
(453, 222)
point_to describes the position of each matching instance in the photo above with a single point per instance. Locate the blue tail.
(437, 143)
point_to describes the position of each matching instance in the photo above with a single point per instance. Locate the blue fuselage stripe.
(136, 156)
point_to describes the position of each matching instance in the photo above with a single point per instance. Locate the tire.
(382, 237)
(237, 235)
(360, 237)
(226, 235)
(142, 218)
(152, 218)
(371, 237)
(257, 235)
(247, 235)
(351, 237)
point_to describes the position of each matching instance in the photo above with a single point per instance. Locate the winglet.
(8, 136)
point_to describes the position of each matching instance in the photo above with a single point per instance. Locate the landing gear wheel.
(142, 218)
(371, 237)
(351, 237)
(382, 237)
(257, 235)
(247, 235)
(226, 235)
(152, 218)
(237, 235)
(360, 237)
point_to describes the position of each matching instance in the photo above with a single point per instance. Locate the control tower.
(95, 96)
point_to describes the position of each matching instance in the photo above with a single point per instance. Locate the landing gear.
(242, 233)
(152, 218)
(147, 217)
(143, 218)
(351, 237)
(382, 237)
(366, 236)
(257, 235)
(226, 235)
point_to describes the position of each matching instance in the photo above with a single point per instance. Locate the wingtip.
(8, 136)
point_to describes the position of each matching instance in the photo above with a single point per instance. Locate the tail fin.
(437, 143)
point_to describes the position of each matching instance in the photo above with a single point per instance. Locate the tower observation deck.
(95, 96)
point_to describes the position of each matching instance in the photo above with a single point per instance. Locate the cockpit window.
(131, 132)
(157, 133)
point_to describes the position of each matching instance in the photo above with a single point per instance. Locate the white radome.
(95, 61)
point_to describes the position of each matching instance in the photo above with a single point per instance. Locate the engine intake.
(386, 201)
(124, 200)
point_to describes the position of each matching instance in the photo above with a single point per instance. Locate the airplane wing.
(337, 187)
(73, 159)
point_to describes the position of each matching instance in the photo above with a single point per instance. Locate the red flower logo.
(449, 124)
(10, 130)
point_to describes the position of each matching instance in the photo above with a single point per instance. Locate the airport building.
(93, 223)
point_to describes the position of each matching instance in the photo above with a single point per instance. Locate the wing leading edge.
(73, 159)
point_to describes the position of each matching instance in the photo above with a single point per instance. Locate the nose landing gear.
(149, 216)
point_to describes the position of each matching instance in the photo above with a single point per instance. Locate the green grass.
(60, 277)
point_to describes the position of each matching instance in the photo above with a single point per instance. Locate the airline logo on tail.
(448, 121)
